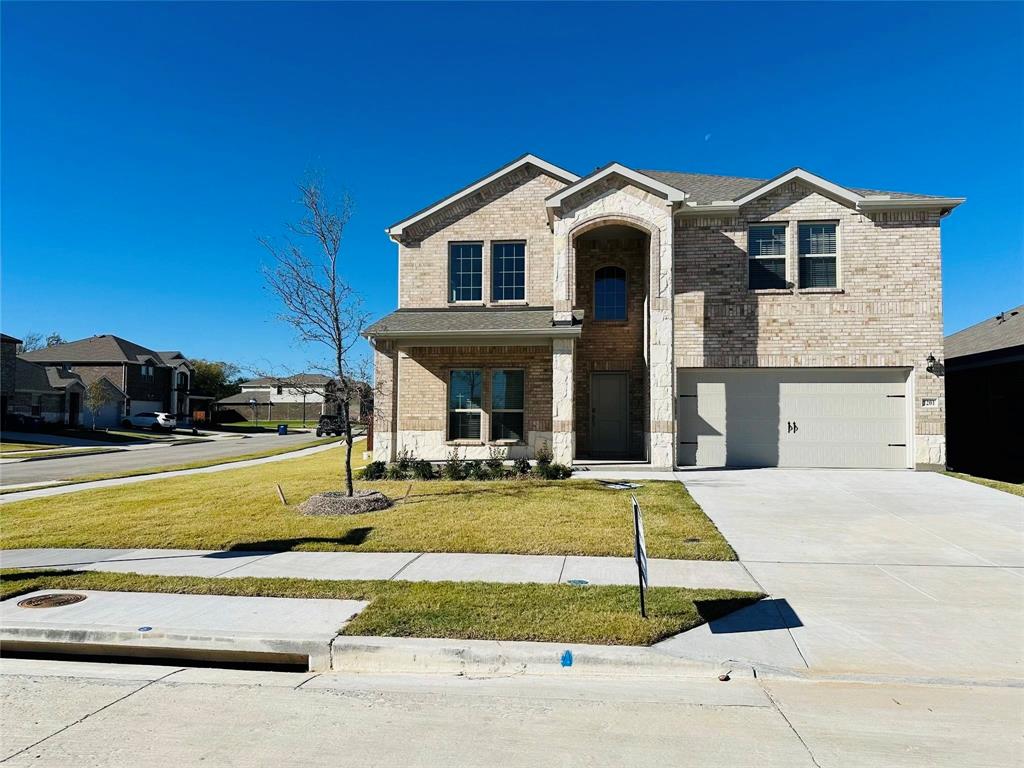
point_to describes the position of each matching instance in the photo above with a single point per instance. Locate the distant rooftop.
(1003, 331)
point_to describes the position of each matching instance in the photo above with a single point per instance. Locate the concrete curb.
(491, 658)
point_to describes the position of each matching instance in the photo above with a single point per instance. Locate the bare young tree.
(318, 303)
(31, 342)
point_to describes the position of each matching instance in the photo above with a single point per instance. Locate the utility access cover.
(51, 601)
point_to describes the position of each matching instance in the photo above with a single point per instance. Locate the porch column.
(563, 432)
(385, 401)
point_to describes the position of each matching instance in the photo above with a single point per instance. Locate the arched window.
(610, 293)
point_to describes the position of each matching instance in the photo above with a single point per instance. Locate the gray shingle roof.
(468, 321)
(988, 335)
(705, 188)
(95, 349)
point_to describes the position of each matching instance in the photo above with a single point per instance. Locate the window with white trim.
(465, 271)
(508, 269)
(464, 404)
(817, 250)
(766, 251)
(507, 397)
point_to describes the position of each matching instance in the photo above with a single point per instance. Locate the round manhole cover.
(51, 601)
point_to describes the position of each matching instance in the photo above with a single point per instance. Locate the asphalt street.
(68, 467)
(85, 714)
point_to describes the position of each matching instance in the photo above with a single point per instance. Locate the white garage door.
(793, 417)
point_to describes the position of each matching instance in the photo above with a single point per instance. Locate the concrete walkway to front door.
(913, 574)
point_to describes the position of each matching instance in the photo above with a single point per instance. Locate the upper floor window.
(464, 404)
(766, 248)
(507, 398)
(610, 293)
(465, 271)
(817, 249)
(508, 267)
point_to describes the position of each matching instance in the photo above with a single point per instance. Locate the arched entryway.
(611, 269)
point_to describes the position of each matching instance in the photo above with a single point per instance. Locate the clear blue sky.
(146, 145)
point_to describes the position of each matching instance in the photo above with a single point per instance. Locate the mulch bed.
(338, 503)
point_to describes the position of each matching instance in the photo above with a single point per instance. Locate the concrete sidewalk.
(387, 566)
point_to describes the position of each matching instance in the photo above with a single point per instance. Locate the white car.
(151, 420)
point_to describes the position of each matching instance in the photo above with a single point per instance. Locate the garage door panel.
(793, 417)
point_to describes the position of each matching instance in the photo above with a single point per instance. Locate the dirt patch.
(337, 503)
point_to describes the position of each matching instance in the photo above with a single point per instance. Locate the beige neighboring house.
(300, 397)
(666, 318)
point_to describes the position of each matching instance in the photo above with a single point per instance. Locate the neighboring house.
(8, 356)
(985, 397)
(37, 391)
(140, 379)
(669, 318)
(289, 398)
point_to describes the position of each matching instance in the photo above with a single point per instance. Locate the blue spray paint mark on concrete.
(567, 659)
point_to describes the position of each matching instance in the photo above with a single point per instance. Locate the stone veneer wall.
(886, 311)
(511, 208)
(616, 201)
(423, 374)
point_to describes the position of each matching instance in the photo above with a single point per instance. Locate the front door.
(609, 414)
(74, 408)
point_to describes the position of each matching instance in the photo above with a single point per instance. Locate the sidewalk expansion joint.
(85, 717)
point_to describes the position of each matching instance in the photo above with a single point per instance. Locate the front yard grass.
(1017, 489)
(473, 610)
(9, 447)
(240, 510)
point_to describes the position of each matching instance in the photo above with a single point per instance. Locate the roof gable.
(649, 183)
(396, 230)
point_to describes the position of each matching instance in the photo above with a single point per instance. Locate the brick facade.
(885, 312)
(513, 210)
(690, 307)
(423, 376)
(612, 345)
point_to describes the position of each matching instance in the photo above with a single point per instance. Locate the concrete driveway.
(908, 574)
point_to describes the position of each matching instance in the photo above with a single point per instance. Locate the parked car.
(329, 425)
(151, 420)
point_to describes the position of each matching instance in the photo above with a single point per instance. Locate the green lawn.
(239, 509)
(9, 447)
(1017, 489)
(175, 467)
(474, 610)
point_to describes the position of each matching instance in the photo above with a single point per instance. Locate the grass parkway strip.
(464, 610)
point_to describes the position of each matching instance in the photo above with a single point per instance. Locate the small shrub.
(521, 466)
(405, 460)
(395, 472)
(454, 466)
(475, 470)
(543, 455)
(496, 459)
(423, 470)
(375, 470)
(553, 471)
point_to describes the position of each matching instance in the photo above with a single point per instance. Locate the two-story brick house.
(672, 318)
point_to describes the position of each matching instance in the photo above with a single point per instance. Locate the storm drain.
(51, 600)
